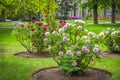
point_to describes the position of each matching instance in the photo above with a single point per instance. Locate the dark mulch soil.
(55, 73)
(111, 54)
(33, 55)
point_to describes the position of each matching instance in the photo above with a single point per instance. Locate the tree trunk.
(95, 13)
(113, 11)
(75, 5)
(3, 15)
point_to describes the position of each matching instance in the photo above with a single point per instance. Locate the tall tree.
(113, 11)
(95, 11)
(94, 5)
(4, 5)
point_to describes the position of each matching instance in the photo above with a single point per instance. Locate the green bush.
(111, 38)
(73, 47)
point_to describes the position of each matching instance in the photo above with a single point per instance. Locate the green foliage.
(111, 39)
(31, 35)
(46, 7)
(21, 68)
(77, 47)
(102, 4)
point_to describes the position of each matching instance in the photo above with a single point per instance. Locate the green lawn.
(3, 24)
(17, 68)
(99, 27)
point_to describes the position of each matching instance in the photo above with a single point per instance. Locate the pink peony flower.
(61, 30)
(90, 34)
(47, 34)
(79, 21)
(69, 52)
(84, 37)
(53, 32)
(66, 25)
(101, 34)
(117, 46)
(75, 46)
(87, 51)
(61, 53)
(113, 33)
(65, 38)
(113, 40)
(74, 63)
(78, 53)
(87, 41)
(80, 27)
(71, 55)
(84, 48)
(95, 49)
(95, 37)
(45, 40)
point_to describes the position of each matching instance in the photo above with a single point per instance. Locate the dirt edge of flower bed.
(26, 54)
(55, 73)
(110, 54)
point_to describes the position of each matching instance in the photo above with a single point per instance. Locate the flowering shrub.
(111, 39)
(74, 47)
(32, 35)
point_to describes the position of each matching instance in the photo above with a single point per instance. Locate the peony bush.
(33, 35)
(73, 47)
(111, 38)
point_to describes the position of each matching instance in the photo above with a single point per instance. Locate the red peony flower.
(39, 23)
(32, 29)
(33, 21)
(45, 28)
(22, 25)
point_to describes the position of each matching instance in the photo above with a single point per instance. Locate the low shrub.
(111, 38)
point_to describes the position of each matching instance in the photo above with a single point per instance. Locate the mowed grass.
(99, 27)
(4, 24)
(18, 68)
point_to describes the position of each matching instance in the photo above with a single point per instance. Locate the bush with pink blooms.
(33, 35)
(73, 47)
(111, 38)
